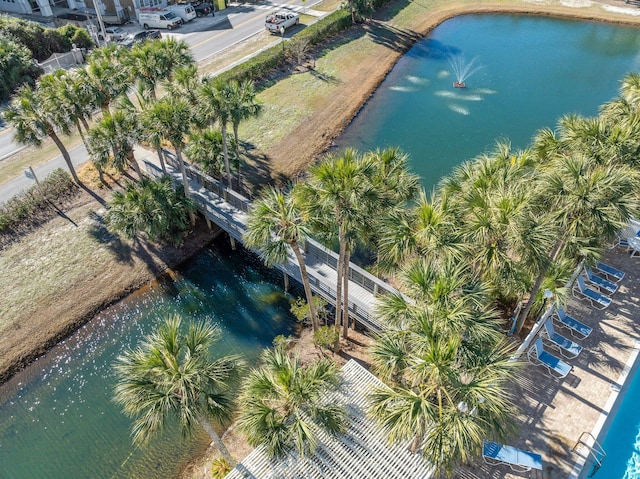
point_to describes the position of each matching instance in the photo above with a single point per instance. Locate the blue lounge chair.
(537, 355)
(597, 299)
(600, 283)
(610, 272)
(517, 459)
(567, 348)
(577, 329)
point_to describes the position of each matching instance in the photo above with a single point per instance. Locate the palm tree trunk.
(84, 142)
(235, 135)
(345, 285)
(161, 158)
(185, 180)
(225, 154)
(536, 287)
(341, 254)
(65, 154)
(85, 123)
(133, 162)
(216, 439)
(306, 285)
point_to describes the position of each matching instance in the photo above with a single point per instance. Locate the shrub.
(220, 468)
(267, 61)
(300, 309)
(16, 67)
(34, 206)
(326, 337)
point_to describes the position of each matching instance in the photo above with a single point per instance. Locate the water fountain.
(461, 69)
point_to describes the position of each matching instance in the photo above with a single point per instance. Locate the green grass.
(42, 264)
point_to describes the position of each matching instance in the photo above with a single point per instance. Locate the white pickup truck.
(278, 22)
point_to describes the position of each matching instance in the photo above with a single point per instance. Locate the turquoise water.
(57, 419)
(622, 440)
(532, 70)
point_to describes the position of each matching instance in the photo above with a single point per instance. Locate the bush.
(300, 309)
(16, 67)
(220, 468)
(34, 206)
(326, 337)
(267, 61)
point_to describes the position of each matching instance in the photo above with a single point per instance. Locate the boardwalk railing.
(217, 203)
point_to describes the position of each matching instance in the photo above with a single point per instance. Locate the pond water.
(57, 419)
(525, 73)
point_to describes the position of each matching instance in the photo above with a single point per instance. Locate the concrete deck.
(554, 413)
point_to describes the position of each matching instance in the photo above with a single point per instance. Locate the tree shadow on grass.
(257, 172)
(120, 250)
(391, 37)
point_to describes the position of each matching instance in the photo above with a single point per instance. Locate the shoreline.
(321, 128)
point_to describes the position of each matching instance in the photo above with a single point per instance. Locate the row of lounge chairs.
(599, 288)
(606, 280)
(566, 347)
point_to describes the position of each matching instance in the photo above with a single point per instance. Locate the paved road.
(206, 36)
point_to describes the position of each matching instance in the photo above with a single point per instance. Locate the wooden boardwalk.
(229, 210)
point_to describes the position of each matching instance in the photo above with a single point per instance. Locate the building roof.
(363, 451)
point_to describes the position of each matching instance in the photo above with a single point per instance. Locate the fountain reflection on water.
(57, 419)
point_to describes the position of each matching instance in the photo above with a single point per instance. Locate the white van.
(184, 11)
(158, 18)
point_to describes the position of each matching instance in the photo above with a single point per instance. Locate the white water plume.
(461, 68)
(463, 110)
(417, 80)
(404, 89)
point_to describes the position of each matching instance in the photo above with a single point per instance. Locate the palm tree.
(62, 90)
(492, 201)
(337, 196)
(112, 138)
(152, 207)
(446, 366)
(184, 83)
(172, 373)
(170, 118)
(427, 229)
(276, 223)
(205, 149)
(106, 74)
(33, 119)
(243, 105)
(588, 203)
(284, 405)
(152, 62)
(217, 106)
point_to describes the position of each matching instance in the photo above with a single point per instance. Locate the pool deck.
(555, 412)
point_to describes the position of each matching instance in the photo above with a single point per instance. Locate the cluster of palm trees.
(123, 85)
(497, 231)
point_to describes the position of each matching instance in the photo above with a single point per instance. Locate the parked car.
(140, 37)
(114, 34)
(203, 8)
(158, 18)
(278, 22)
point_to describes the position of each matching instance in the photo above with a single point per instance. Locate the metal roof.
(362, 452)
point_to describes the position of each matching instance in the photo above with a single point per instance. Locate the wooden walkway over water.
(229, 210)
